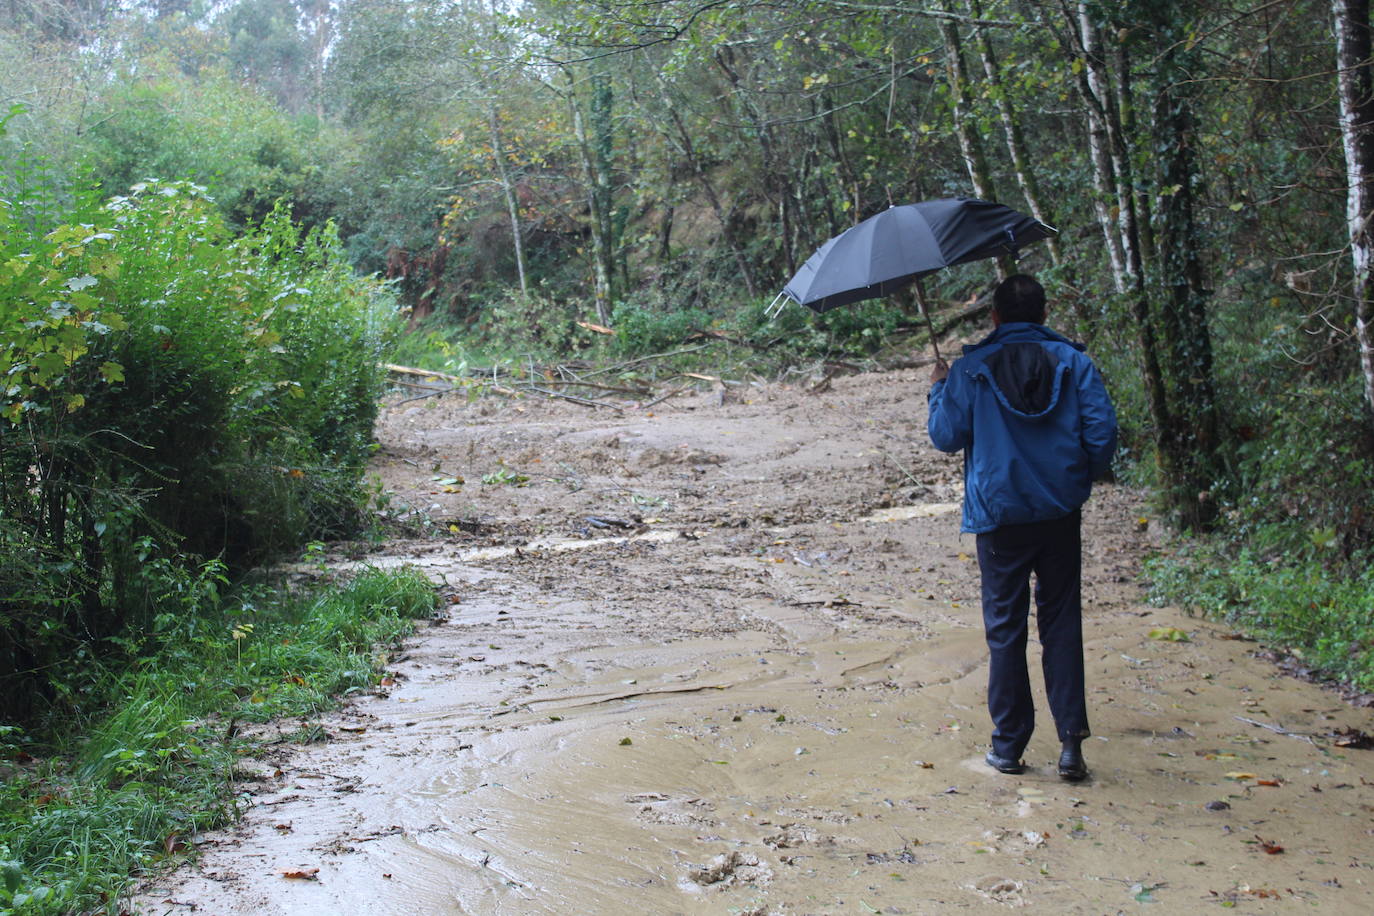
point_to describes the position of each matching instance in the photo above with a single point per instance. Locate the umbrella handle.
(925, 313)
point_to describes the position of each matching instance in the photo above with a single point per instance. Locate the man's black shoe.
(1004, 764)
(1072, 767)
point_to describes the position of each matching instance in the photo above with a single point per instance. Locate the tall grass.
(154, 765)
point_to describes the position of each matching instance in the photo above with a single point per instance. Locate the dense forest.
(215, 219)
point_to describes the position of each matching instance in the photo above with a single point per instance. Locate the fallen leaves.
(1352, 738)
(301, 874)
(1169, 634)
(1268, 846)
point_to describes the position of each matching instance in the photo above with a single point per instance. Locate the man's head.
(1018, 298)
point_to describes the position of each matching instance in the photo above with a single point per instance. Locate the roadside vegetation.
(151, 757)
(217, 220)
(183, 404)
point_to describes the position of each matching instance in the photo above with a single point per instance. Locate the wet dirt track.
(765, 696)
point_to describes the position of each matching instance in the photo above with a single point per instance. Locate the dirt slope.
(766, 696)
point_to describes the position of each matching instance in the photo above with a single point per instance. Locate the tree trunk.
(596, 221)
(969, 143)
(602, 150)
(1016, 141)
(1355, 83)
(1094, 86)
(498, 152)
(1188, 446)
(1140, 193)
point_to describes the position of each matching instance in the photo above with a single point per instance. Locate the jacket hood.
(1026, 376)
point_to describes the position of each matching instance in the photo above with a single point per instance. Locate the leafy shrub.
(643, 326)
(168, 384)
(214, 130)
(540, 325)
(1292, 602)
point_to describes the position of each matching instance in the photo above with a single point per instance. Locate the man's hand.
(939, 372)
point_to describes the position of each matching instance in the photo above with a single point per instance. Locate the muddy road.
(724, 656)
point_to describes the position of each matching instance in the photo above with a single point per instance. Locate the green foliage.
(157, 764)
(1304, 472)
(171, 391)
(1291, 601)
(542, 325)
(644, 327)
(211, 130)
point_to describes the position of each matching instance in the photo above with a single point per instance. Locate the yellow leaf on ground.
(1168, 634)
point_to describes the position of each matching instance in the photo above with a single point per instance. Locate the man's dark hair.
(1019, 298)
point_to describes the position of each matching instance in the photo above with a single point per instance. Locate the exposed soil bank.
(765, 696)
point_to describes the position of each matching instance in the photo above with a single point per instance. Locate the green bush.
(1290, 601)
(170, 389)
(219, 132)
(643, 326)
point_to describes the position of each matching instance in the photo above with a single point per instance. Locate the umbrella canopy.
(885, 252)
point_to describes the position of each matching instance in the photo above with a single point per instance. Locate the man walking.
(1028, 409)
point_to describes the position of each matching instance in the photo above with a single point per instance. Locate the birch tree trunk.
(1016, 141)
(1095, 88)
(498, 152)
(1356, 89)
(596, 220)
(969, 143)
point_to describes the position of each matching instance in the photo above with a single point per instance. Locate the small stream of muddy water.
(770, 700)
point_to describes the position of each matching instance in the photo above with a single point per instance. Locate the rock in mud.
(729, 868)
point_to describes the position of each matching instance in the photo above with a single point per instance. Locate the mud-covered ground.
(723, 655)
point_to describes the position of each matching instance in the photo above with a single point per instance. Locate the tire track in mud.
(771, 704)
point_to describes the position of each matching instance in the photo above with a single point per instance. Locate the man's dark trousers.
(1006, 557)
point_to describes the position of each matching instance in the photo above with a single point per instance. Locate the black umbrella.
(886, 252)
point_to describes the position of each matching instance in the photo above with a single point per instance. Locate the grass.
(1290, 601)
(80, 816)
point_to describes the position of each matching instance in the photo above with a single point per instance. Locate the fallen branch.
(420, 397)
(423, 373)
(888, 456)
(824, 384)
(661, 398)
(455, 380)
(617, 389)
(574, 399)
(705, 334)
(406, 384)
(621, 367)
(1278, 729)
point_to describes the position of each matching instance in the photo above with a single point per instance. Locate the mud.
(725, 656)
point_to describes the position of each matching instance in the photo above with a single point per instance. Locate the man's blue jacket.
(1033, 418)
